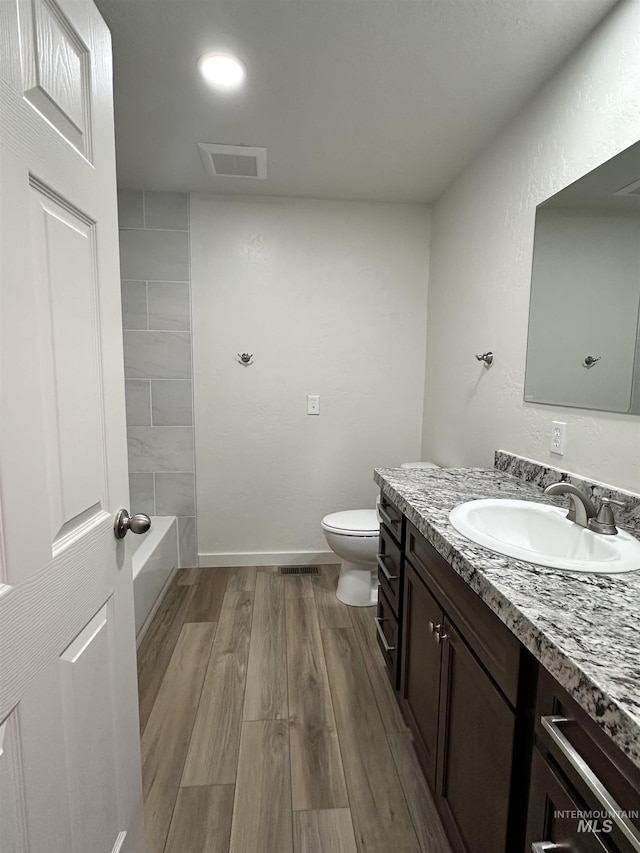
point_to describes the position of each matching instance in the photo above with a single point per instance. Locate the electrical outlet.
(313, 404)
(558, 434)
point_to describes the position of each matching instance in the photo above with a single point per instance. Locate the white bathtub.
(154, 560)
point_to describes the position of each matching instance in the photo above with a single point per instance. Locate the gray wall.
(154, 265)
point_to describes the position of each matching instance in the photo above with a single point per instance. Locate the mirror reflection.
(584, 318)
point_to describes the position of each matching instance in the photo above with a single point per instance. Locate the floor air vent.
(299, 570)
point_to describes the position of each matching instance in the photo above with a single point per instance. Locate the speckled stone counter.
(584, 629)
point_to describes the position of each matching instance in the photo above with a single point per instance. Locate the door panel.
(88, 692)
(55, 68)
(67, 640)
(65, 268)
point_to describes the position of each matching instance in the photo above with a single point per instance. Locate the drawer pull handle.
(551, 726)
(386, 518)
(385, 571)
(383, 639)
(543, 846)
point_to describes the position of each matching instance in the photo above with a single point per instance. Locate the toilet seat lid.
(353, 522)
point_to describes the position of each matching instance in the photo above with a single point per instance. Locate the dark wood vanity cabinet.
(472, 740)
(390, 573)
(576, 770)
(503, 747)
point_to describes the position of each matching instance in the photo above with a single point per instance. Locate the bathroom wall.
(481, 255)
(154, 265)
(330, 298)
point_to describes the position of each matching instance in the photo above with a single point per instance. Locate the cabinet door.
(420, 685)
(475, 750)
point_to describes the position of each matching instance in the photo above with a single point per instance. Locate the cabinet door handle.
(437, 631)
(440, 636)
(543, 846)
(385, 644)
(386, 518)
(605, 798)
(385, 571)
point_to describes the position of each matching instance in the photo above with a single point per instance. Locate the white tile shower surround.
(175, 494)
(138, 400)
(171, 402)
(156, 300)
(154, 255)
(156, 305)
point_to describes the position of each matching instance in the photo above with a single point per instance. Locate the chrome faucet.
(582, 509)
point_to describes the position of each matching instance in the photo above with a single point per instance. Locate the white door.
(70, 762)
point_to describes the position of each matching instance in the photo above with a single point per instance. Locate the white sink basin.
(541, 534)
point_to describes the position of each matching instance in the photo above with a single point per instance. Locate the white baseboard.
(267, 558)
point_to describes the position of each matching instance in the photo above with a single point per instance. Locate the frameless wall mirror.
(583, 348)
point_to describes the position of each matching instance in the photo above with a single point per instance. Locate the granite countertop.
(584, 629)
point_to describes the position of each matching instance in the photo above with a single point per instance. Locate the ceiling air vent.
(233, 161)
(630, 189)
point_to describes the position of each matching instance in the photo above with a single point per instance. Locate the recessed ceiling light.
(222, 71)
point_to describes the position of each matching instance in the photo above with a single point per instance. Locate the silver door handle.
(385, 571)
(383, 639)
(123, 523)
(543, 846)
(605, 798)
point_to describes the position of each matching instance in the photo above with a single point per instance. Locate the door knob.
(124, 523)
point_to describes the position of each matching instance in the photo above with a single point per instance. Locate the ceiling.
(382, 100)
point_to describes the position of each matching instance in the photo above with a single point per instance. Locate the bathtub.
(154, 561)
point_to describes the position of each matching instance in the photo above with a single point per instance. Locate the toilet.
(353, 535)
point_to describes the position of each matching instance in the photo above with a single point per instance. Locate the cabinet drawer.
(493, 643)
(552, 816)
(387, 636)
(581, 755)
(391, 517)
(389, 567)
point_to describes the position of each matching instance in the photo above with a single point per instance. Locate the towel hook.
(487, 357)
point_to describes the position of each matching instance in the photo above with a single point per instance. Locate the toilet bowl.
(353, 536)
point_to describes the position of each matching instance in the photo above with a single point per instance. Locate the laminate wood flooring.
(269, 725)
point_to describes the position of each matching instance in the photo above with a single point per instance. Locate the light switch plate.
(313, 404)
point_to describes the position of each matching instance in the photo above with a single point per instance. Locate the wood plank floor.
(269, 726)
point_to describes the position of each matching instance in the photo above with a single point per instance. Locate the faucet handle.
(604, 522)
(611, 501)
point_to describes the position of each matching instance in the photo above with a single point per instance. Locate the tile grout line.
(163, 230)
